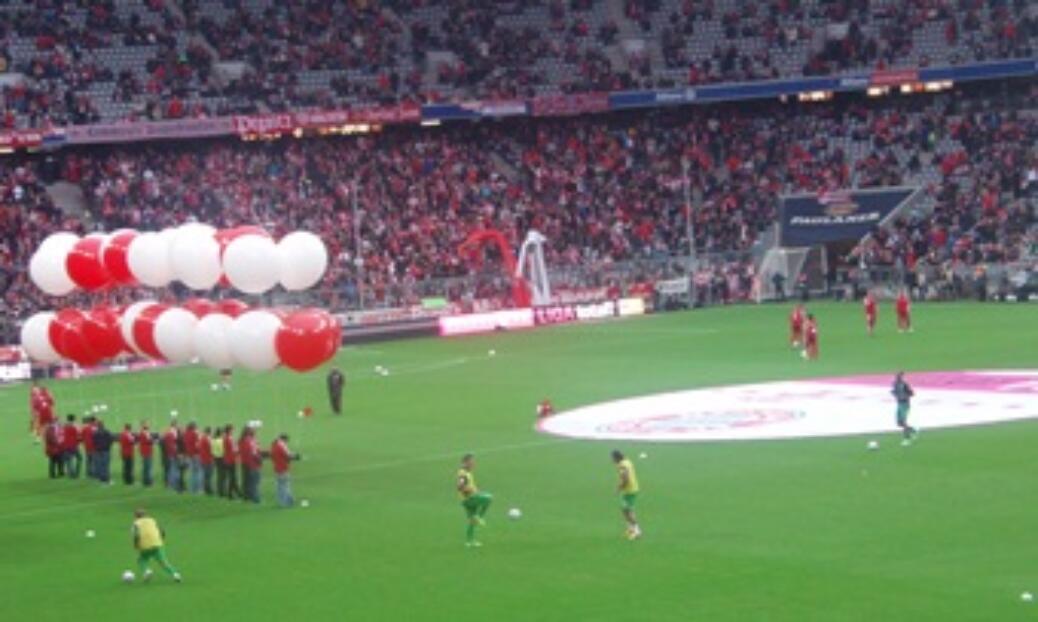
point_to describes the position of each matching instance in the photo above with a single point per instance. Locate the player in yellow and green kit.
(147, 539)
(475, 502)
(628, 489)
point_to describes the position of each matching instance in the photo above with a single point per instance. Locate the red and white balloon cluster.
(221, 334)
(198, 255)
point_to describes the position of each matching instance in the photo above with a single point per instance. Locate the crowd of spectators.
(105, 60)
(603, 190)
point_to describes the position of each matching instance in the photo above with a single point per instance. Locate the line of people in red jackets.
(190, 457)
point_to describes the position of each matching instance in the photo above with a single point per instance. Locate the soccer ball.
(643, 455)
(90, 533)
(214, 387)
(515, 514)
(873, 445)
(304, 503)
(491, 352)
(128, 576)
(1027, 597)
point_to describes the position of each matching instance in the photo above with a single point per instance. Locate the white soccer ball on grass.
(128, 576)
(872, 445)
(515, 513)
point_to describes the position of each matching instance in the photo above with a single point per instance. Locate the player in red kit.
(904, 312)
(796, 326)
(34, 412)
(810, 338)
(870, 312)
(41, 403)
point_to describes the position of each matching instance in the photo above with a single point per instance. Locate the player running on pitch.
(903, 306)
(870, 313)
(473, 501)
(628, 489)
(903, 394)
(147, 539)
(796, 327)
(810, 351)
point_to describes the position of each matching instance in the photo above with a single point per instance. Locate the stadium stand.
(81, 62)
(604, 189)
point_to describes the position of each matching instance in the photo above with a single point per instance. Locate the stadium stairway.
(69, 199)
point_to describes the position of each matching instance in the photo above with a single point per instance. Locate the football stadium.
(626, 310)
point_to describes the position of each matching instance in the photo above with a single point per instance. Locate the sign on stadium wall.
(810, 219)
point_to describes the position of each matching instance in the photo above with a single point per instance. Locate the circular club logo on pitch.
(700, 421)
(811, 408)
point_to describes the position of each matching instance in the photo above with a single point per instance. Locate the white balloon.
(251, 264)
(195, 258)
(148, 259)
(61, 239)
(127, 320)
(36, 338)
(175, 335)
(252, 338)
(302, 259)
(48, 271)
(212, 340)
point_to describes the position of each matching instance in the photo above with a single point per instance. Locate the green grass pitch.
(764, 530)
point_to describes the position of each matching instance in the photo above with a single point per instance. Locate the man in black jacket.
(336, 380)
(103, 440)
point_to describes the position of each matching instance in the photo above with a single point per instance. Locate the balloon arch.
(219, 333)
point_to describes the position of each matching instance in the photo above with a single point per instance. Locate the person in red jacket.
(70, 437)
(54, 447)
(170, 468)
(205, 459)
(230, 463)
(249, 453)
(904, 312)
(86, 435)
(127, 443)
(194, 467)
(282, 458)
(146, 444)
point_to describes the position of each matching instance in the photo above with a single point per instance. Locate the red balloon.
(231, 307)
(113, 256)
(66, 336)
(200, 307)
(84, 264)
(101, 330)
(144, 329)
(307, 338)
